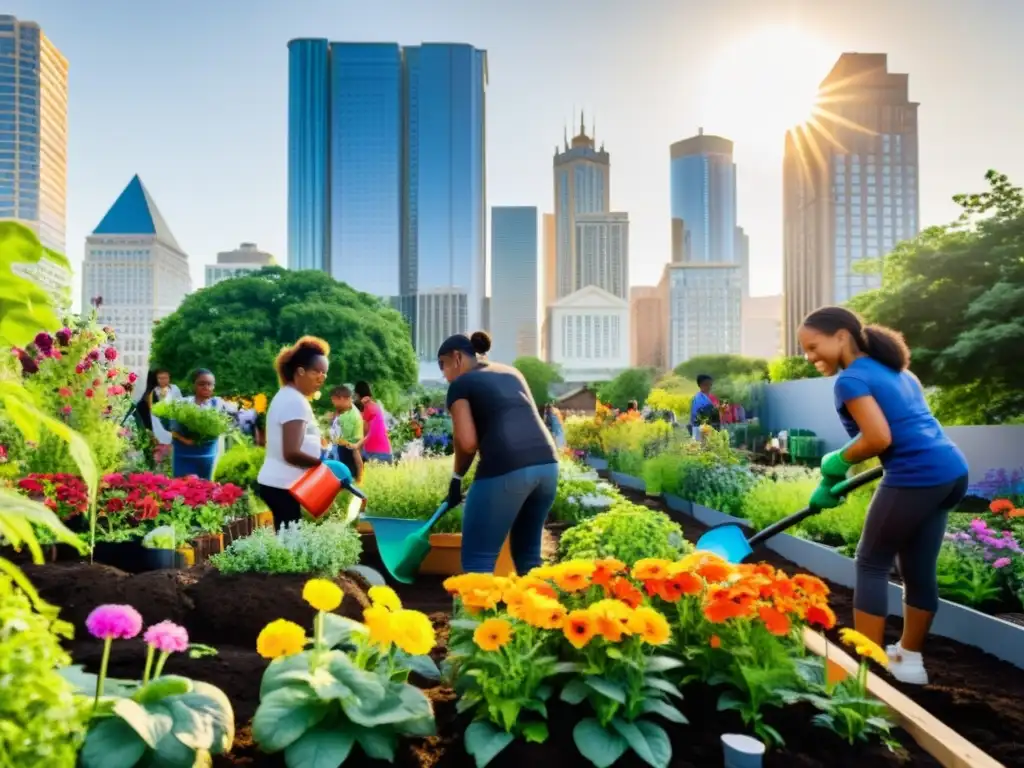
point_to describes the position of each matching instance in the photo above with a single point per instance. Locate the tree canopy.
(722, 367)
(791, 368)
(631, 384)
(236, 328)
(539, 377)
(956, 292)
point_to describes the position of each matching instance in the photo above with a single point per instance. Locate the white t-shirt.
(288, 405)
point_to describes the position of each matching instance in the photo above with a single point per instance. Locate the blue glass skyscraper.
(308, 151)
(704, 197)
(514, 282)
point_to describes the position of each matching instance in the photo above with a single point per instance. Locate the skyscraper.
(706, 273)
(850, 186)
(602, 252)
(387, 176)
(514, 282)
(134, 264)
(243, 260)
(582, 185)
(34, 140)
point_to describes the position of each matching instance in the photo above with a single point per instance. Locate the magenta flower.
(110, 353)
(1002, 562)
(114, 622)
(167, 637)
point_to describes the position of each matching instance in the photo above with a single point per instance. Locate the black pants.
(282, 505)
(906, 525)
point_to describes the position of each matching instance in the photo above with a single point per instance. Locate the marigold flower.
(322, 594)
(650, 625)
(385, 597)
(811, 585)
(378, 621)
(280, 638)
(573, 575)
(412, 632)
(579, 628)
(714, 572)
(1000, 506)
(606, 569)
(820, 615)
(775, 621)
(715, 641)
(622, 589)
(651, 568)
(492, 634)
(543, 612)
(114, 622)
(612, 619)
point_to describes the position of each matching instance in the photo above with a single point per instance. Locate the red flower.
(110, 353)
(89, 393)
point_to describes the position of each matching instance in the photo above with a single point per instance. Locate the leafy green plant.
(350, 688)
(42, 724)
(203, 425)
(627, 532)
(411, 489)
(240, 464)
(324, 549)
(581, 494)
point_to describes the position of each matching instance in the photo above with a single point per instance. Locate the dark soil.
(972, 692)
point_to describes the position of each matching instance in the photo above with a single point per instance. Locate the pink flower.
(66, 410)
(110, 353)
(114, 622)
(167, 637)
(1002, 562)
(132, 378)
(64, 392)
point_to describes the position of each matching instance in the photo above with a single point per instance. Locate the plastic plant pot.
(742, 751)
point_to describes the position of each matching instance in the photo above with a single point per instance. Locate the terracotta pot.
(207, 545)
(363, 527)
(445, 557)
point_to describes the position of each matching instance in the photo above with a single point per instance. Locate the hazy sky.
(192, 96)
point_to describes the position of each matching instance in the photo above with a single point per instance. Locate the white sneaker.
(906, 666)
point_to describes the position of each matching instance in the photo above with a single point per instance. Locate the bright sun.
(762, 85)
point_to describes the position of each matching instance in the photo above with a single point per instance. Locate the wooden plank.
(939, 740)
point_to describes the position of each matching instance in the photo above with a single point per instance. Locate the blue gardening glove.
(823, 498)
(340, 471)
(454, 493)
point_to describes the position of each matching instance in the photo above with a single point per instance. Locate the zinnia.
(167, 637)
(322, 594)
(412, 632)
(280, 638)
(114, 622)
(385, 597)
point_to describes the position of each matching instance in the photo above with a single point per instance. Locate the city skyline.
(240, 158)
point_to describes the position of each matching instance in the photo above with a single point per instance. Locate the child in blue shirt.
(882, 406)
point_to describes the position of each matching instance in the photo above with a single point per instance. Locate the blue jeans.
(386, 458)
(513, 505)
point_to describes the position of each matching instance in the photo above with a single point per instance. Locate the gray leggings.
(906, 525)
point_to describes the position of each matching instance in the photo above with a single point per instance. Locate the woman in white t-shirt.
(294, 444)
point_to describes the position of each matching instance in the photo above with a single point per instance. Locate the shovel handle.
(437, 515)
(839, 489)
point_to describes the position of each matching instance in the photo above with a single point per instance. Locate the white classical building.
(589, 335)
(136, 268)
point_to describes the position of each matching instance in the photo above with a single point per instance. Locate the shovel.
(403, 544)
(730, 542)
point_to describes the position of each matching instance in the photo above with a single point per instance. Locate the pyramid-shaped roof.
(135, 213)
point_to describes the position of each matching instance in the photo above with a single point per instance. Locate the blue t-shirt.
(920, 454)
(700, 402)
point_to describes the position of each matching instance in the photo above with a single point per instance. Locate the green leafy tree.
(237, 327)
(791, 368)
(539, 377)
(957, 294)
(722, 366)
(631, 384)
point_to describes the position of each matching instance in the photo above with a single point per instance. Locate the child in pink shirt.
(375, 445)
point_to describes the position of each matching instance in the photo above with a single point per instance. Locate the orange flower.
(811, 585)
(622, 589)
(650, 625)
(1015, 513)
(543, 612)
(775, 621)
(573, 575)
(1000, 506)
(820, 615)
(716, 641)
(537, 586)
(606, 569)
(718, 611)
(579, 628)
(714, 572)
(651, 568)
(783, 586)
(612, 619)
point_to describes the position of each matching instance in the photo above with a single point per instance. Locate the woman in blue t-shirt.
(882, 407)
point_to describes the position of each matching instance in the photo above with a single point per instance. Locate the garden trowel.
(403, 544)
(730, 542)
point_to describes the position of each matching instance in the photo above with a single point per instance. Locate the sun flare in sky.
(763, 84)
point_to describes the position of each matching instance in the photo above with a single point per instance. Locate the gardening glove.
(823, 498)
(833, 466)
(454, 493)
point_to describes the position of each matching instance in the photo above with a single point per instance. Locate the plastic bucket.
(198, 459)
(316, 490)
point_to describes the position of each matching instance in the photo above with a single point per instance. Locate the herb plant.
(324, 549)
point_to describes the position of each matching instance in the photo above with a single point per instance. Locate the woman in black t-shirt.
(494, 415)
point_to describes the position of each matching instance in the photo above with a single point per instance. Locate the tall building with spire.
(582, 186)
(134, 272)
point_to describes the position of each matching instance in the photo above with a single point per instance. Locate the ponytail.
(876, 341)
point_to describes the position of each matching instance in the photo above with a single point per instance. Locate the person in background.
(347, 431)
(144, 408)
(553, 421)
(376, 446)
(164, 389)
(703, 407)
(494, 416)
(882, 406)
(203, 384)
(632, 406)
(293, 434)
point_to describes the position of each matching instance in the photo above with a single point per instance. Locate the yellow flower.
(650, 625)
(573, 575)
(864, 646)
(492, 634)
(385, 597)
(280, 638)
(542, 612)
(612, 619)
(412, 632)
(259, 403)
(651, 568)
(378, 620)
(322, 594)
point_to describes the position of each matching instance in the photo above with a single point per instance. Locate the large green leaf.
(284, 715)
(366, 688)
(484, 741)
(203, 718)
(279, 673)
(151, 723)
(602, 747)
(25, 307)
(401, 703)
(649, 741)
(112, 743)
(340, 630)
(320, 747)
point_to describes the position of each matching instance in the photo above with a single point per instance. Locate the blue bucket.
(199, 459)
